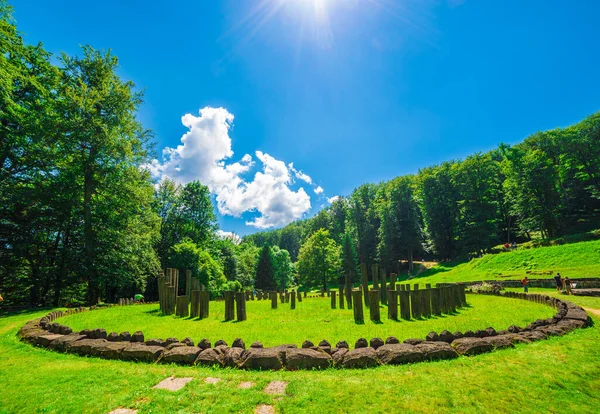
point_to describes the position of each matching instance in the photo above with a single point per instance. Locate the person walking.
(567, 283)
(525, 282)
(559, 282)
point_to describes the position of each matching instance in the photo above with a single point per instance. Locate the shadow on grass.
(28, 311)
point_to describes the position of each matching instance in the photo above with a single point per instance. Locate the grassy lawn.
(573, 260)
(557, 375)
(312, 319)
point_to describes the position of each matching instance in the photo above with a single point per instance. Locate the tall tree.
(265, 271)
(349, 266)
(319, 260)
(106, 145)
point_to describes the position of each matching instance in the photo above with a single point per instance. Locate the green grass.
(557, 375)
(312, 319)
(573, 260)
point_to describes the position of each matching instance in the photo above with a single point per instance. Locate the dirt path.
(592, 310)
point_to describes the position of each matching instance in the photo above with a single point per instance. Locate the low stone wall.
(44, 332)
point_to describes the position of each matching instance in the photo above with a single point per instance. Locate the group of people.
(507, 246)
(563, 284)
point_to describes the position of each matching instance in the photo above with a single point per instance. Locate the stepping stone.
(172, 383)
(264, 409)
(211, 380)
(245, 385)
(276, 387)
(123, 411)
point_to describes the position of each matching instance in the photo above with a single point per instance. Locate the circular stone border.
(46, 333)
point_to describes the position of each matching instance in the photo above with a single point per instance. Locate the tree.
(187, 255)
(319, 260)
(248, 255)
(438, 198)
(400, 232)
(349, 266)
(105, 145)
(283, 269)
(364, 223)
(265, 271)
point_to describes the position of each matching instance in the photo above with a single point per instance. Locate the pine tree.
(265, 271)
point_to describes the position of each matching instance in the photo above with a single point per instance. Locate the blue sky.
(349, 91)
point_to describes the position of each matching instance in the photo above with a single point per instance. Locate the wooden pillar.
(365, 283)
(375, 276)
(416, 286)
(203, 304)
(426, 301)
(181, 306)
(240, 305)
(333, 298)
(463, 295)
(188, 284)
(393, 277)
(404, 298)
(273, 300)
(392, 297)
(229, 306)
(383, 284)
(358, 306)
(435, 302)
(299, 295)
(341, 296)
(195, 306)
(293, 300)
(415, 304)
(427, 285)
(407, 287)
(374, 311)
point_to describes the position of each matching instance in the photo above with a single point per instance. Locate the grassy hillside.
(573, 260)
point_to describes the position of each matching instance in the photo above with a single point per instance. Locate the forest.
(82, 221)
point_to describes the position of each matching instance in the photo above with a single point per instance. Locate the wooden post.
(427, 285)
(333, 297)
(240, 304)
(358, 306)
(383, 290)
(229, 306)
(393, 281)
(415, 303)
(181, 306)
(404, 304)
(374, 311)
(305, 293)
(273, 300)
(375, 276)
(203, 304)
(463, 295)
(365, 283)
(392, 305)
(407, 287)
(416, 286)
(195, 307)
(426, 301)
(293, 300)
(188, 284)
(435, 302)
(341, 296)
(299, 295)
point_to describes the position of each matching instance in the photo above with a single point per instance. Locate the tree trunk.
(93, 290)
(410, 261)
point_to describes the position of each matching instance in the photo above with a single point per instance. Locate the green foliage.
(187, 255)
(283, 268)
(185, 212)
(265, 271)
(319, 260)
(247, 254)
(232, 286)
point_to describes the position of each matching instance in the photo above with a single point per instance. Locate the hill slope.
(573, 260)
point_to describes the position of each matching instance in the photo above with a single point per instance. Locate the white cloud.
(318, 190)
(203, 155)
(299, 174)
(229, 235)
(332, 199)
